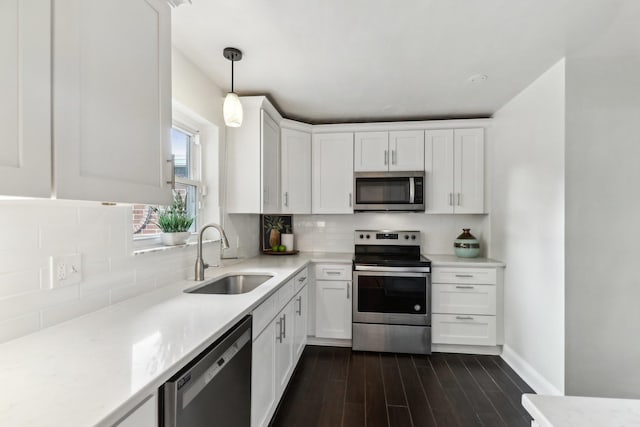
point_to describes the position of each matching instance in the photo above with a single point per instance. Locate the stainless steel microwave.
(388, 191)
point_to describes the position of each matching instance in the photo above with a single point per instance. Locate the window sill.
(147, 246)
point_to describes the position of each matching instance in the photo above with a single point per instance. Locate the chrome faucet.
(200, 264)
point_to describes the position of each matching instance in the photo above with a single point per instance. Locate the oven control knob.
(406, 236)
(413, 237)
(368, 236)
(417, 307)
(362, 236)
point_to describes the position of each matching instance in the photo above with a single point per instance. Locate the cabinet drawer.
(463, 329)
(333, 272)
(263, 314)
(463, 299)
(284, 294)
(464, 275)
(301, 279)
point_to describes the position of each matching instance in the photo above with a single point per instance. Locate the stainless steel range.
(391, 293)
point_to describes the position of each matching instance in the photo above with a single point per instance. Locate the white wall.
(527, 226)
(334, 233)
(603, 209)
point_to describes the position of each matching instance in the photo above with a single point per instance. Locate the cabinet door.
(284, 347)
(469, 171)
(270, 165)
(406, 150)
(112, 104)
(25, 104)
(296, 172)
(263, 377)
(145, 415)
(371, 152)
(333, 309)
(332, 174)
(300, 325)
(439, 171)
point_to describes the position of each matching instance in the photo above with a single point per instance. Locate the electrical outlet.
(65, 270)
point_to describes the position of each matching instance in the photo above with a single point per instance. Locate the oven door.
(392, 297)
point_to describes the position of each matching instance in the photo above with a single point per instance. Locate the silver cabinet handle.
(393, 157)
(450, 199)
(333, 273)
(464, 275)
(284, 326)
(386, 157)
(348, 290)
(464, 318)
(279, 337)
(465, 287)
(302, 279)
(265, 192)
(458, 199)
(286, 199)
(172, 181)
(299, 306)
(350, 199)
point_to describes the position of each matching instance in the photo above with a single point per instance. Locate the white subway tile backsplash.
(18, 283)
(77, 307)
(19, 326)
(32, 231)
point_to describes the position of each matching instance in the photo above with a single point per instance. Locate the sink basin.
(231, 284)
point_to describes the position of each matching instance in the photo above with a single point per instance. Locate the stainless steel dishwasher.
(215, 388)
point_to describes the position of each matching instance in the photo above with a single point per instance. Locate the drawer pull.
(465, 287)
(279, 337)
(302, 279)
(299, 306)
(464, 275)
(333, 273)
(464, 318)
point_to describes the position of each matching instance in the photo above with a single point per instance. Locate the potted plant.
(273, 225)
(174, 221)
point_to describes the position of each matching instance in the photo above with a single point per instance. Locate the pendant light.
(232, 108)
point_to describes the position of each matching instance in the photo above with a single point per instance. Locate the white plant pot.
(287, 240)
(173, 239)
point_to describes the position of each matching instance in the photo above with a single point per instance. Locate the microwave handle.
(412, 190)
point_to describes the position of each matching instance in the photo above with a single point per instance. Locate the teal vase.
(466, 245)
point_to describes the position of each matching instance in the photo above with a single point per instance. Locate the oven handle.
(393, 269)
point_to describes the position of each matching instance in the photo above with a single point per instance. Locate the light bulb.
(232, 110)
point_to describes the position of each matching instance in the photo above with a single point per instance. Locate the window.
(185, 148)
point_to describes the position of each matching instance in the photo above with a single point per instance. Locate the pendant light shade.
(232, 108)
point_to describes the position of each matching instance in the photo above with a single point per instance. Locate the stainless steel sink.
(231, 284)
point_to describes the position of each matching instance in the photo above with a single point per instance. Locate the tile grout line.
(404, 391)
(424, 391)
(482, 390)
(346, 387)
(384, 389)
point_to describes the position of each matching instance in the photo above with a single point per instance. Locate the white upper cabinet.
(112, 100)
(406, 150)
(253, 159)
(454, 170)
(468, 182)
(371, 152)
(25, 103)
(389, 151)
(296, 171)
(332, 179)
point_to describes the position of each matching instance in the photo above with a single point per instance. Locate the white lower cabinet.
(333, 309)
(145, 415)
(466, 305)
(277, 347)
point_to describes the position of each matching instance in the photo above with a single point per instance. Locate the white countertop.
(94, 369)
(441, 260)
(573, 411)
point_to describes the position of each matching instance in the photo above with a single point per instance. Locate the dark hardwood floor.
(335, 386)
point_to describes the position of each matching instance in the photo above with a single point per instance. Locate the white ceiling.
(326, 61)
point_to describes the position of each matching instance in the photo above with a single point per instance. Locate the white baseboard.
(328, 342)
(466, 349)
(532, 377)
